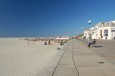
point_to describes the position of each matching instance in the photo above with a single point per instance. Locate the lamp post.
(89, 22)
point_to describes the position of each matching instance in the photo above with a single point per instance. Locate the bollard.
(61, 43)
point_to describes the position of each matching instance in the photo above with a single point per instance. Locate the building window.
(105, 32)
(112, 30)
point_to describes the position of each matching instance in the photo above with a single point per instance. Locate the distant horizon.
(28, 36)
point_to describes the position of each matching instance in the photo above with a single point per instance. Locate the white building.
(62, 38)
(101, 31)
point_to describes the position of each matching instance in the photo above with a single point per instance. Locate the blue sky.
(21, 18)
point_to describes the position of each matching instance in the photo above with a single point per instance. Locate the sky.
(41, 18)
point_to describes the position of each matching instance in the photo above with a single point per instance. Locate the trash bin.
(61, 43)
(45, 43)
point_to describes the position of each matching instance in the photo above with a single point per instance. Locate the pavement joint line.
(60, 59)
(71, 46)
(74, 60)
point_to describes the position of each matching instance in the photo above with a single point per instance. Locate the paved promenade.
(17, 58)
(79, 60)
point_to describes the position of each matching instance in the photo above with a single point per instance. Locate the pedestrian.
(89, 43)
(28, 42)
(94, 41)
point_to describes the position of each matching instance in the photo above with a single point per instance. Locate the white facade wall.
(109, 34)
(95, 34)
(112, 31)
(98, 31)
(86, 34)
(101, 31)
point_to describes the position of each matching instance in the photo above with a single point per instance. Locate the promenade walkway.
(79, 60)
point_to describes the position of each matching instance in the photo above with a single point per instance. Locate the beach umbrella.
(89, 22)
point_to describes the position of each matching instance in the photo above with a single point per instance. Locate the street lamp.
(89, 22)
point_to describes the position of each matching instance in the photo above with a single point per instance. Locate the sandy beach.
(17, 58)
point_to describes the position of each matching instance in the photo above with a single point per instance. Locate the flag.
(89, 22)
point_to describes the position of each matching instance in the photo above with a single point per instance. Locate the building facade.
(101, 31)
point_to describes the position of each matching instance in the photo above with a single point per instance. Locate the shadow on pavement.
(98, 46)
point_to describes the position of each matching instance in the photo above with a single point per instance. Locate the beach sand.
(17, 58)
